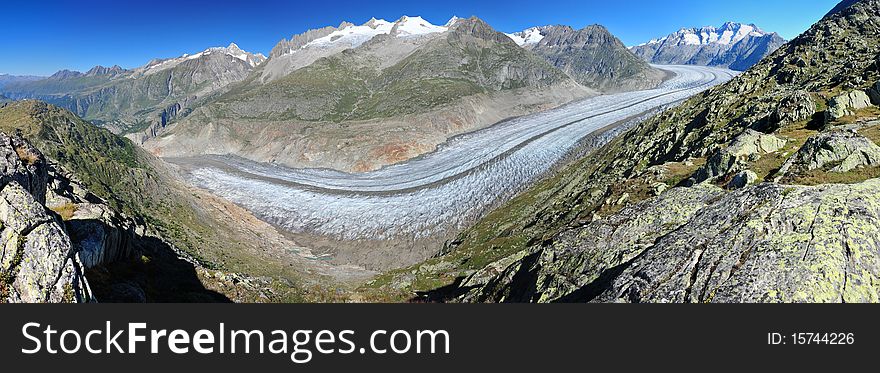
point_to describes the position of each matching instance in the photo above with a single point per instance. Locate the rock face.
(834, 151)
(745, 148)
(796, 107)
(595, 58)
(101, 235)
(37, 262)
(734, 45)
(768, 243)
(846, 104)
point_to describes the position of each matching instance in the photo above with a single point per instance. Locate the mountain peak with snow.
(452, 21)
(710, 46)
(728, 34)
(529, 36)
(232, 50)
(349, 35)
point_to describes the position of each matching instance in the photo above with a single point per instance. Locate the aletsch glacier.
(443, 190)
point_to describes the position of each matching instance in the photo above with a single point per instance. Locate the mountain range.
(384, 92)
(761, 189)
(137, 100)
(734, 45)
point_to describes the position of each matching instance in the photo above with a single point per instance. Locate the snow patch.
(526, 37)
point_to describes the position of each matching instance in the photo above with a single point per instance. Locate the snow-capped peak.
(415, 26)
(232, 50)
(529, 36)
(351, 36)
(728, 33)
(452, 21)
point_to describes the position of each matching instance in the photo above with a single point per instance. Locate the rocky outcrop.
(101, 235)
(796, 107)
(766, 243)
(846, 104)
(834, 151)
(745, 149)
(38, 263)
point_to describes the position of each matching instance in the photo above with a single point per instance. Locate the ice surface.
(443, 190)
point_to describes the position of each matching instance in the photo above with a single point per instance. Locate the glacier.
(440, 192)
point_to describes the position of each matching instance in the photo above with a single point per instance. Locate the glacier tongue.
(443, 191)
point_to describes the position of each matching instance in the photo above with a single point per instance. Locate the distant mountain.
(377, 93)
(592, 56)
(734, 45)
(6, 79)
(145, 98)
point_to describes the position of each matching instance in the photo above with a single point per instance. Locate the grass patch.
(819, 177)
(872, 133)
(680, 171)
(66, 211)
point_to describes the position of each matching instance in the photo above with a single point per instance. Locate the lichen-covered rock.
(586, 255)
(765, 243)
(23, 164)
(37, 261)
(743, 150)
(797, 107)
(742, 180)
(834, 151)
(846, 104)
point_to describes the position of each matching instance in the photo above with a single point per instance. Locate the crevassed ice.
(446, 189)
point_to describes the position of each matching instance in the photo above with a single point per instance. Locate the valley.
(434, 196)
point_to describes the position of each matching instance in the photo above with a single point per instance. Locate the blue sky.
(43, 36)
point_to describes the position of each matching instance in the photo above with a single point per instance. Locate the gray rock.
(797, 107)
(23, 164)
(37, 261)
(100, 235)
(836, 151)
(765, 243)
(874, 93)
(743, 150)
(846, 104)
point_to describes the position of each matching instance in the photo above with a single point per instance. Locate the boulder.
(834, 151)
(743, 150)
(846, 104)
(37, 263)
(797, 107)
(22, 163)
